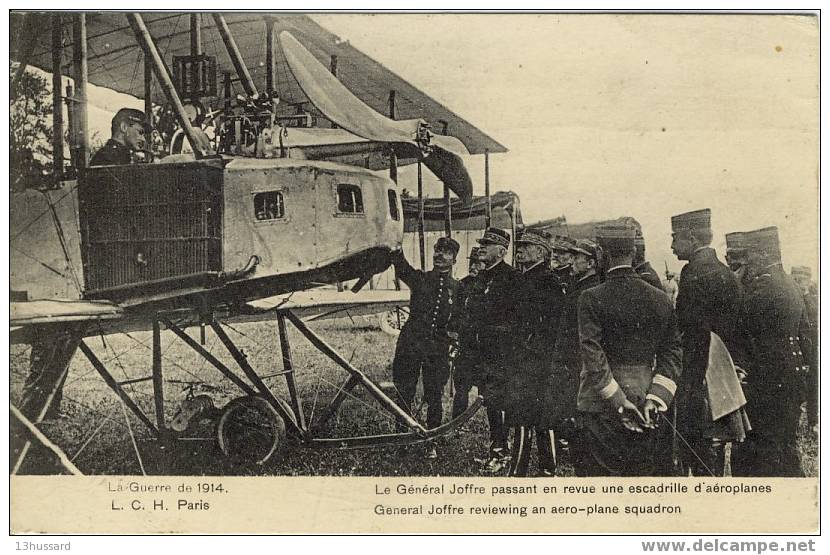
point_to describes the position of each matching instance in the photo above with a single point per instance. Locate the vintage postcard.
(416, 272)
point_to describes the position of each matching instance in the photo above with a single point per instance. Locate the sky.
(622, 115)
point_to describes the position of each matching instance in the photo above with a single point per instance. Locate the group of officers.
(580, 347)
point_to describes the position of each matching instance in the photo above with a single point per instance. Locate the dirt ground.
(101, 437)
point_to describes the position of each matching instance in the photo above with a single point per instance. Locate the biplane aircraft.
(248, 191)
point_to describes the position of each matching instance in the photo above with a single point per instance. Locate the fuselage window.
(269, 206)
(349, 199)
(393, 205)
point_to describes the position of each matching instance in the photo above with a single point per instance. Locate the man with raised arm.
(424, 344)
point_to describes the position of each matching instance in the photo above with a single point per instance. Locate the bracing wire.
(132, 438)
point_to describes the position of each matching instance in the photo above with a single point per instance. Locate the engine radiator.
(150, 226)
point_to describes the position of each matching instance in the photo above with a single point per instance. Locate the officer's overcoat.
(538, 308)
(629, 342)
(492, 317)
(708, 300)
(563, 383)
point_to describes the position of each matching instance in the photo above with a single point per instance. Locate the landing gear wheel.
(393, 320)
(250, 431)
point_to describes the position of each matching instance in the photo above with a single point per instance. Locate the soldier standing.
(423, 345)
(642, 266)
(538, 305)
(773, 315)
(631, 354)
(563, 382)
(491, 315)
(736, 255)
(467, 365)
(802, 276)
(561, 260)
(708, 300)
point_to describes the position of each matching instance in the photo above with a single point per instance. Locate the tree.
(30, 131)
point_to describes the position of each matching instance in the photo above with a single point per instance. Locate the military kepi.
(447, 244)
(691, 221)
(616, 236)
(562, 243)
(735, 241)
(533, 237)
(586, 247)
(764, 241)
(495, 236)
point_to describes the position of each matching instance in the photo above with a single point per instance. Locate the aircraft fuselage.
(224, 230)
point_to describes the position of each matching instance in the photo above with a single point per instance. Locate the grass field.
(103, 438)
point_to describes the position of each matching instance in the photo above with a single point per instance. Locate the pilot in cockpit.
(127, 138)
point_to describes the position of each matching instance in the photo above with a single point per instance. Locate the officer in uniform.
(467, 364)
(563, 382)
(642, 266)
(561, 260)
(538, 306)
(630, 347)
(492, 318)
(424, 343)
(708, 300)
(803, 278)
(736, 255)
(735, 251)
(127, 137)
(773, 316)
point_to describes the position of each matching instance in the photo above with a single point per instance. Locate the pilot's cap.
(534, 237)
(447, 244)
(764, 241)
(692, 221)
(495, 236)
(128, 115)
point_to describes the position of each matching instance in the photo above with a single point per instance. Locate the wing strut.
(38, 436)
(199, 142)
(234, 55)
